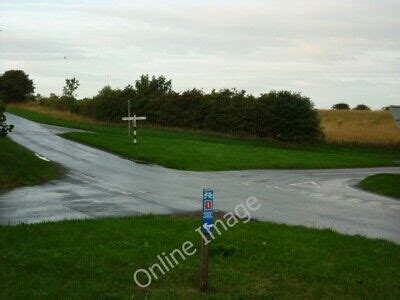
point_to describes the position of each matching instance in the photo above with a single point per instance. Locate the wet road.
(99, 184)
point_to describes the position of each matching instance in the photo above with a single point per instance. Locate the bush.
(362, 107)
(108, 105)
(4, 127)
(63, 103)
(292, 117)
(341, 106)
(15, 86)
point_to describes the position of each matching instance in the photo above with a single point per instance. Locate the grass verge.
(19, 166)
(97, 259)
(385, 184)
(189, 150)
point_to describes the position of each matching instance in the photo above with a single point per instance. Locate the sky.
(331, 51)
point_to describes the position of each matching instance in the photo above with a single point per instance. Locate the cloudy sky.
(328, 50)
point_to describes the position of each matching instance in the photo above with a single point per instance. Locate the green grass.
(19, 166)
(189, 150)
(385, 184)
(97, 259)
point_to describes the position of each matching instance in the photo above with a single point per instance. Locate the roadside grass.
(19, 166)
(385, 184)
(191, 150)
(97, 259)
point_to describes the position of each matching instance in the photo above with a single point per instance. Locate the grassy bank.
(189, 150)
(97, 259)
(19, 166)
(385, 184)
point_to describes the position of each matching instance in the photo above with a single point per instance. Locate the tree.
(4, 127)
(341, 106)
(71, 85)
(153, 87)
(69, 95)
(15, 86)
(292, 117)
(362, 107)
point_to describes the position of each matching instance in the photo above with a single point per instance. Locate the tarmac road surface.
(99, 184)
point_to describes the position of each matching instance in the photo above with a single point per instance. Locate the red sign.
(208, 205)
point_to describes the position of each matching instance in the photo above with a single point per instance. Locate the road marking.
(42, 157)
(254, 181)
(306, 184)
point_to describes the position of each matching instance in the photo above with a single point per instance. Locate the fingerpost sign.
(207, 223)
(208, 203)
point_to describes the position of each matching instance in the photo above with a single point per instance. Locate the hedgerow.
(281, 115)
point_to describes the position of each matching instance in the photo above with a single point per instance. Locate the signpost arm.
(133, 119)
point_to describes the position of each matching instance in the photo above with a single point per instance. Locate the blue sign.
(208, 209)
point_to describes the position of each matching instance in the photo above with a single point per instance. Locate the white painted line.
(42, 157)
(306, 183)
(254, 181)
(125, 193)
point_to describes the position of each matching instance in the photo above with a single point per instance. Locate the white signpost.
(395, 110)
(133, 119)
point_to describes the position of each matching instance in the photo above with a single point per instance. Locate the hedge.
(281, 115)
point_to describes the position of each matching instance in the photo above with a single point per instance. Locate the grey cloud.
(328, 49)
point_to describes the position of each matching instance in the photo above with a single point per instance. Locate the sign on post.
(133, 119)
(395, 110)
(207, 223)
(208, 208)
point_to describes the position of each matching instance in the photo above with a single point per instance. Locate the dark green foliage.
(15, 86)
(341, 106)
(69, 95)
(108, 105)
(4, 127)
(282, 115)
(292, 117)
(362, 107)
(146, 87)
(71, 85)
(60, 103)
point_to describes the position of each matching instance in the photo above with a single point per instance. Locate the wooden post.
(129, 114)
(134, 129)
(134, 119)
(204, 257)
(207, 223)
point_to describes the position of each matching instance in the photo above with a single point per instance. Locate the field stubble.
(361, 127)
